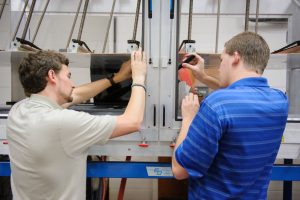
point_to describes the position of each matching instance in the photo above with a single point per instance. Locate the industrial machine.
(160, 40)
(161, 24)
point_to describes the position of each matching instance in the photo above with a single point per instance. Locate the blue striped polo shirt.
(233, 141)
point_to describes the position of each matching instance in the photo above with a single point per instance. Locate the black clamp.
(82, 43)
(23, 41)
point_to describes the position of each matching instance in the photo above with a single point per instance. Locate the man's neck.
(50, 95)
(243, 73)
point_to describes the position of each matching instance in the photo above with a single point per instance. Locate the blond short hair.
(252, 48)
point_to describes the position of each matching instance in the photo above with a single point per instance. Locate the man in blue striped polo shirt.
(227, 147)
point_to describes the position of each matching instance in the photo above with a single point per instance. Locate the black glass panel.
(103, 65)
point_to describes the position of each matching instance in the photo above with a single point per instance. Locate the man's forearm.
(87, 91)
(133, 115)
(183, 131)
(210, 81)
(178, 170)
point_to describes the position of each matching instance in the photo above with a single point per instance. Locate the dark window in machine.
(104, 65)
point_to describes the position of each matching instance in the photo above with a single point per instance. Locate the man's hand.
(132, 118)
(189, 107)
(124, 73)
(196, 66)
(138, 67)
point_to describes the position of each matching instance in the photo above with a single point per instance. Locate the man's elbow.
(136, 125)
(179, 173)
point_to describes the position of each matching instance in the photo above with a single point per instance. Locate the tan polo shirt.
(48, 148)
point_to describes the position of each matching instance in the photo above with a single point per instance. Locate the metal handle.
(154, 115)
(164, 116)
(150, 9)
(172, 9)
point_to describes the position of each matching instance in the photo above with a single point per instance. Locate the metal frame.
(156, 170)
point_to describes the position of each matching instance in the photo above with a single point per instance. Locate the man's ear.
(51, 76)
(236, 58)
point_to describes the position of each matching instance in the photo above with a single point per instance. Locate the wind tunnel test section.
(105, 66)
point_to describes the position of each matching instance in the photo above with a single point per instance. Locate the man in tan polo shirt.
(49, 144)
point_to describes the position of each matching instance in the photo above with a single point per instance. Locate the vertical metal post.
(28, 19)
(190, 20)
(86, 4)
(172, 6)
(136, 20)
(247, 15)
(74, 23)
(287, 185)
(150, 29)
(257, 13)
(2, 8)
(40, 21)
(108, 26)
(115, 35)
(218, 25)
(143, 25)
(20, 20)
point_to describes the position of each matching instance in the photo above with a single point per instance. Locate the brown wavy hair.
(34, 68)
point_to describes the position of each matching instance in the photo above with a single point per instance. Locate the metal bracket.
(133, 45)
(78, 46)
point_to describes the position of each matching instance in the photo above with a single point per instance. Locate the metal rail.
(2, 8)
(86, 4)
(190, 20)
(247, 15)
(74, 23)
(217, 28)
(40, 21)
(20, 20)
(155, 170)
(108, 26)
(136, 20)
(28, 19)
(257, 14)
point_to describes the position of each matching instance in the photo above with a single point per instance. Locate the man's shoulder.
(218, 95)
